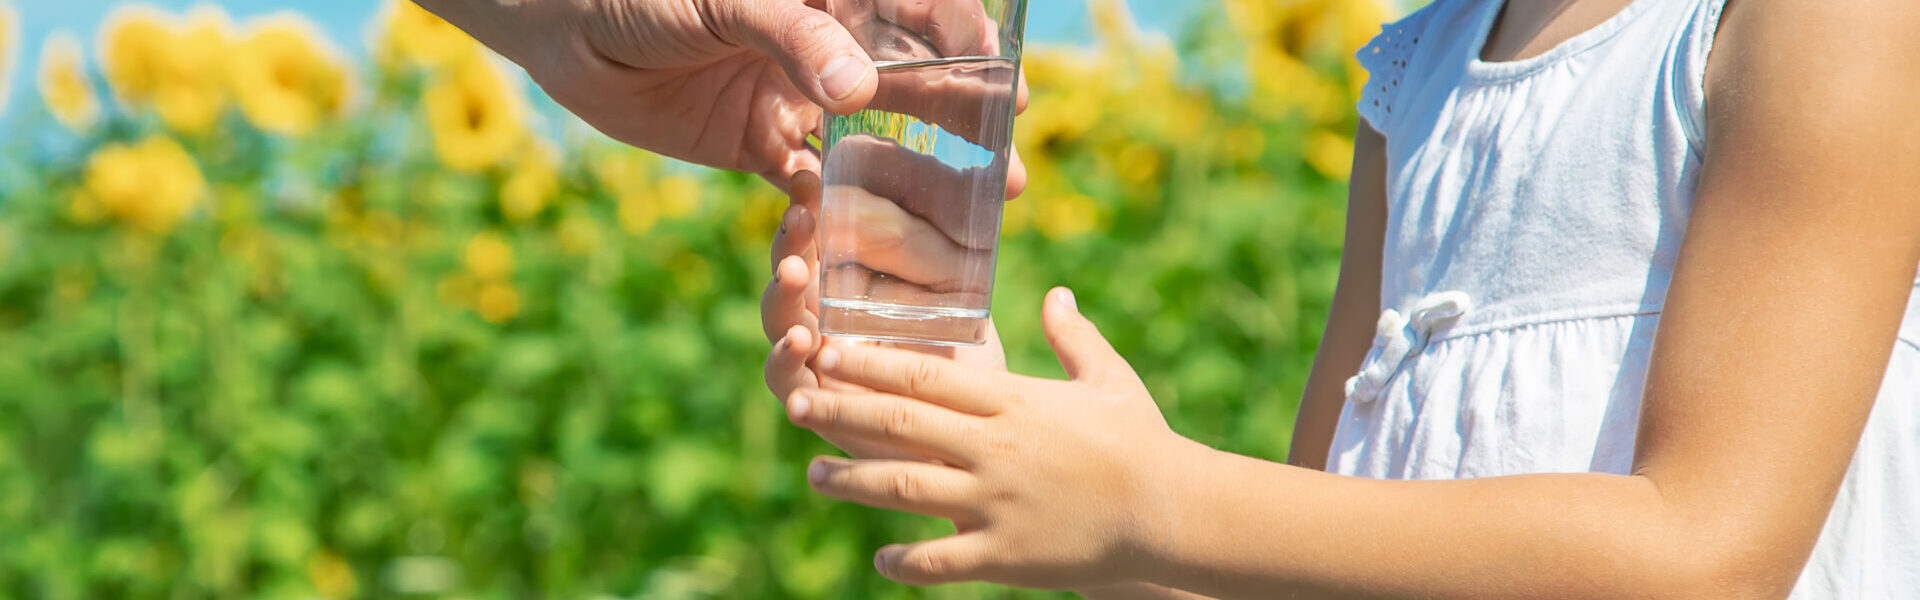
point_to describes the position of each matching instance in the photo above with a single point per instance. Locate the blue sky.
(1058, 21)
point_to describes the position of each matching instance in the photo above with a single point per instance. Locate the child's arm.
(1356, 304)
(1792, 280)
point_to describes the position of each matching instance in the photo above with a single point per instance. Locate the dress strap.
(1694, 46)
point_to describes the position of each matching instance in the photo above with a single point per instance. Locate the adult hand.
(734, 84)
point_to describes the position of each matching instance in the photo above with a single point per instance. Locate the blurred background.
(323, 301)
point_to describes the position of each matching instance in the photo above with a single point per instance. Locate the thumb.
(1083, 352)
(821, 58)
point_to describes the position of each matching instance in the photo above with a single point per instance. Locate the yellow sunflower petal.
(489, 257)
(475, 115)
(286, 77)
(150, 185)
(64, 84)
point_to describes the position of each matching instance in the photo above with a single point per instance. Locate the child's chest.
(1529, 28)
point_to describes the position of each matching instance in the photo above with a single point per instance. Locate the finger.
(1020, 96)
(941, 381)
(785, 161)
(772, 131)
(953, 27)
(903, 422)
(806, 191)
(807, 187)
(915, 487)
(784, 304)
(785, 314)
(876, 233)
(786, 368)
(794, 237)
(819, 55)
(921, 185)
(960, 557)
(1083, 352)
(856, 281)
(1016, 174)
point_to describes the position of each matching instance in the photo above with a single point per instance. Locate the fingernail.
(797, 407)
(1066, 297)
(828, 358)
(842, 76)
(817, 472)
(880, 562)
(786, 222)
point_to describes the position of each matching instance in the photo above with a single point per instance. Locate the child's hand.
(788, 312)
(1048, 481)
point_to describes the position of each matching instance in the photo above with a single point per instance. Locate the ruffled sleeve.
(1385, 59)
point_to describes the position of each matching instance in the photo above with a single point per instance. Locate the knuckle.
(825, 407)
(802, 33)
(898, 423)
(903, 487)
(921, 377)
(931, 565)
(883, 236)
(1003, 444)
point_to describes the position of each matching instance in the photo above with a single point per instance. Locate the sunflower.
(489, 257)
(474, 114)
(1331, 154)
(64, 85)
(579, 235)
(679, 196)
(331, 575)
(1288, 39)
(150, 185)
(531, 183)
(497, 302)
(1072, 92)
(175, 67)
(411, 36)
(286, 77)
(131, 48)
(637, 213)
(1062, 216)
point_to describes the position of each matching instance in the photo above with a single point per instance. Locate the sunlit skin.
(734, 84)
(1803, 222)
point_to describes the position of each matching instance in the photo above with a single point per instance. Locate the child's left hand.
(1051, 483)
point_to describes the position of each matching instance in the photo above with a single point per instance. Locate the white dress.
(1535, 209)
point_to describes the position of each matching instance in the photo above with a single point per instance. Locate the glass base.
(880, 321)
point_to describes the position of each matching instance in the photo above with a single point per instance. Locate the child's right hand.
(789, 309)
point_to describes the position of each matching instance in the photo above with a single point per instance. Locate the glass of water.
(910, 217)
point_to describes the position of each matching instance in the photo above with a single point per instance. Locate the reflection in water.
(915, 183)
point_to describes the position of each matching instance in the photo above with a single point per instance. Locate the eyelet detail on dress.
(1385, 59)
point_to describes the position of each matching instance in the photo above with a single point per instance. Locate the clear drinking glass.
(910, 217)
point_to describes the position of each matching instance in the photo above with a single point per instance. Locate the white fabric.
(1541, 203)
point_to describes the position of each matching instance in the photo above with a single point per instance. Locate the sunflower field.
(283, 316)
